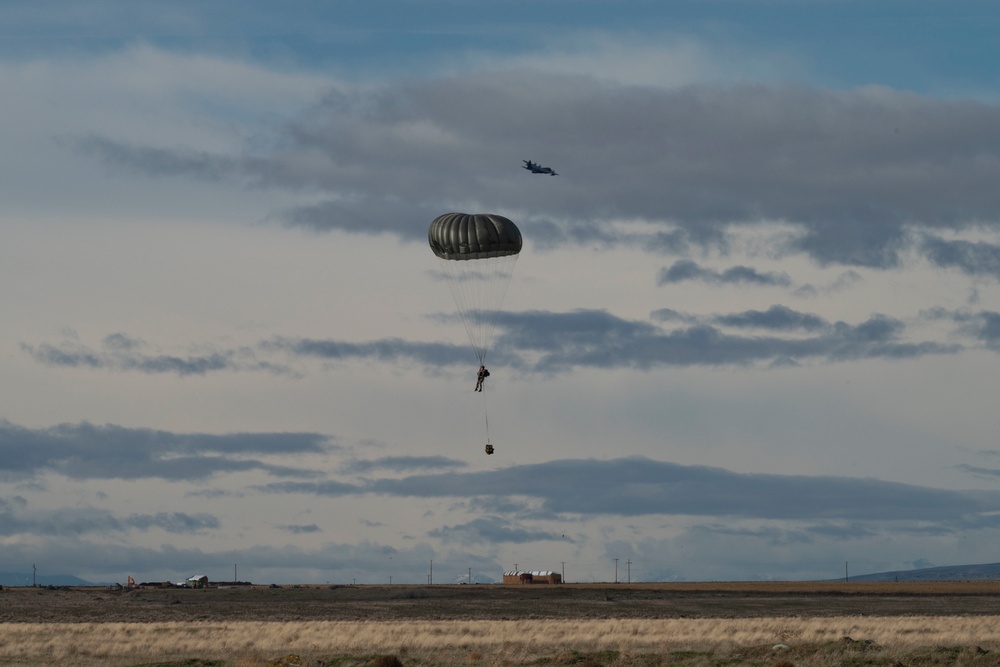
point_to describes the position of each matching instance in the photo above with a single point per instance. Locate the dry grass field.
(591, 625)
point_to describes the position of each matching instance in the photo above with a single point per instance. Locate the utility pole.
(629, 570)
(430, 577)
(470, 575)
(564, 572)
(235, 578)
(33, 570)
(616, 570)
(846, 577)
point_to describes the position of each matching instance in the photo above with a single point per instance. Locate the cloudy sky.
(754, 332)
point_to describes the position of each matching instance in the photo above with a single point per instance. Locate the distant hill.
(24, 579)
(944, 573)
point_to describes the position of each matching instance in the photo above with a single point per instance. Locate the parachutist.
(480, 376)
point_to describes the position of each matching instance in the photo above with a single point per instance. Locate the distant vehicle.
(537, 168)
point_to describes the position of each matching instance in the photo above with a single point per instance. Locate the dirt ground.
(497, 601)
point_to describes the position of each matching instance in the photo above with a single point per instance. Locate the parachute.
(477, 253)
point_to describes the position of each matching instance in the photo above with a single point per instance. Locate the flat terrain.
(499, 602)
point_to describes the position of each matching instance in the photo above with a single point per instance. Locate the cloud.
(554, 342)
(598, 339)
(373, 215)
(183, 161)
(329, 488)
(640, 486)
(390, 349)
(76, 521)
(776, 317)
(402, 464)
(85, 451)
(121, 352)
(986, 327)
(983, 326)
(852, 171)
(686, 269)
(671, 315)
(979, 471)
(14, 502)
(301, 529)
(492, 530)
(974, 259)
(844, 281)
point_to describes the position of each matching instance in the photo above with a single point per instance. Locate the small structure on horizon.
(532, 577)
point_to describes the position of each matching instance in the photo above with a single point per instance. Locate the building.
(532, 577)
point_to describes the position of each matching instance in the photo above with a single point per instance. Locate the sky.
(753, 333)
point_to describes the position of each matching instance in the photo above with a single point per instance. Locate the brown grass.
(496, 642)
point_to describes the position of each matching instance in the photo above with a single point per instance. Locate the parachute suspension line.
(487, 416)
(499, 281)
(479, 288)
